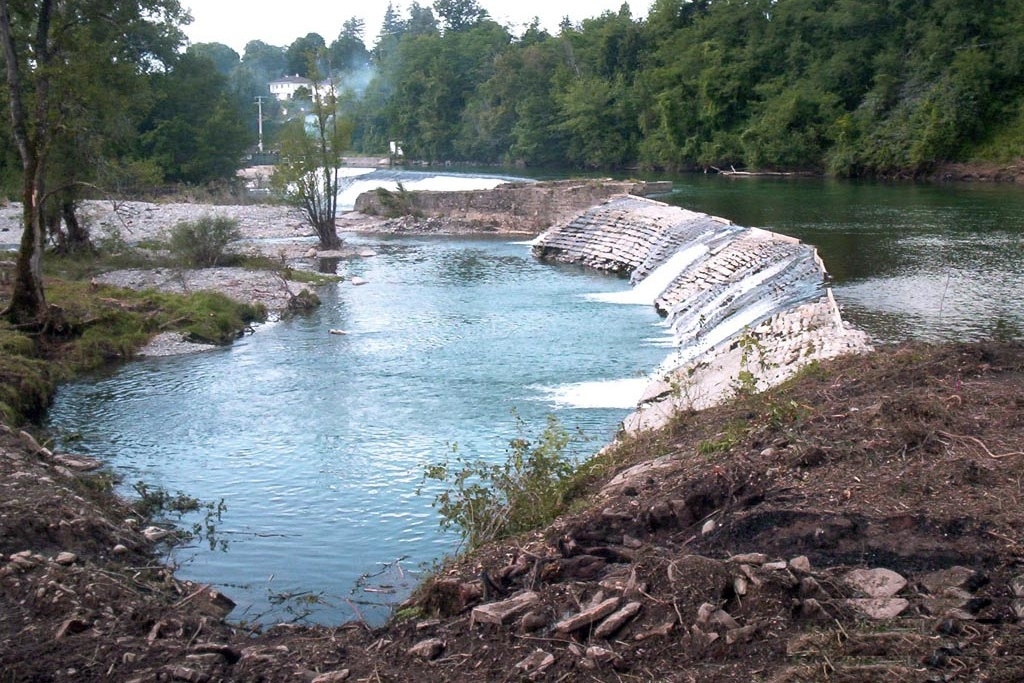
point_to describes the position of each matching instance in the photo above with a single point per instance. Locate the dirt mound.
(861, 523)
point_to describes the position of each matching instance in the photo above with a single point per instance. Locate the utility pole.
(259, 105)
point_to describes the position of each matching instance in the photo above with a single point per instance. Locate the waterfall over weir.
(746, 307)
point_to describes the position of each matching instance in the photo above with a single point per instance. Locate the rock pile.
(606, 606)
(522, 207)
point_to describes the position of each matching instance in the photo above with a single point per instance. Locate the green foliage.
(858, 88)
(397, 203)
(196, 130)
(98, 325)
(307, 175)
(26, 381)
(201, 243)
(487, 501)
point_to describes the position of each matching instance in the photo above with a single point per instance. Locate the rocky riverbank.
(861, 524)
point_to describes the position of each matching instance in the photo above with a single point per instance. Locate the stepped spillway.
(747, 307)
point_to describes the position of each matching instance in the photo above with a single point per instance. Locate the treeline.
(118, 106)
(851, 87)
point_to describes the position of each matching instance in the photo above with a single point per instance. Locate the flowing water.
(317, 442)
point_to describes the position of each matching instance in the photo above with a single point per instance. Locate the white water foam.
(529, 243)
(347, 196)
(691, 324)
(618, 394)
(648, 289)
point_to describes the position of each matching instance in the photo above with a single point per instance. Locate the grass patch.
(93, 326)
(309, 277)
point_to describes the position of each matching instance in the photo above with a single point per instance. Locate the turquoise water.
(317, 442)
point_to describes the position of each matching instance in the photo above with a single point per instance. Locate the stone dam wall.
(747, 308)
(513, 207)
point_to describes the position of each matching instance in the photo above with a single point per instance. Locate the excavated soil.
(862, 523)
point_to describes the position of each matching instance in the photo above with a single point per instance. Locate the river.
(316, 443)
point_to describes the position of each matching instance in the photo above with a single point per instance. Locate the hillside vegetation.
(853, 87)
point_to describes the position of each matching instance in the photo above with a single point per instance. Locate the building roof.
(300, 80)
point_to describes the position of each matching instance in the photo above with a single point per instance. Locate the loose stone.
(65, 558)
(880, 608)
(800, 564)
(876, 583)
(427, 649)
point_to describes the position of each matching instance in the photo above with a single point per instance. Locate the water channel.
(316, 443)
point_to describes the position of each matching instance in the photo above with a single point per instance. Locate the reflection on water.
(928, 262)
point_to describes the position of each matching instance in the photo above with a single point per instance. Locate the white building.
(284, 88)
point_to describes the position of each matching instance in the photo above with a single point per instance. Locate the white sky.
(280, 22)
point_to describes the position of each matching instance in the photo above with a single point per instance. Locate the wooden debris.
(536, 663)
(332, 677)
(749, 558)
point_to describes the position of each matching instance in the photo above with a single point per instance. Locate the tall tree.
(391, 30)
(311, 158)
(459, 15)
(421, 21)
(266, 62)
(298, 53)
(45, 42)
(225, 59)
(348, 52)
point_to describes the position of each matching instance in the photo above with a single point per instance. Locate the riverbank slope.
(860, 523)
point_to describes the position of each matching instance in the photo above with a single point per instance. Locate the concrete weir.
(747, 307)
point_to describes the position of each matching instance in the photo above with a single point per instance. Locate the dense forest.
(847, 87)
(850, 87)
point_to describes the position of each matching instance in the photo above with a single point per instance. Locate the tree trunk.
(28, 304)
(66, 230)
(327, 231)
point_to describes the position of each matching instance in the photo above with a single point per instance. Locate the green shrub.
(398, 203)
(201, 243)
(488, 501)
